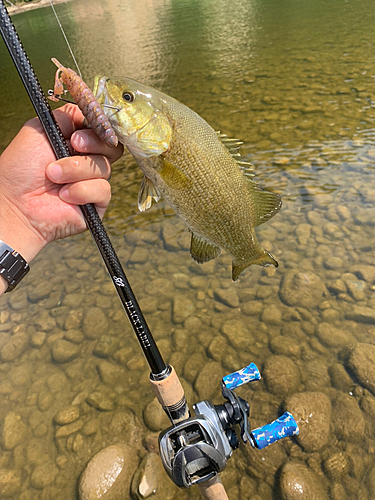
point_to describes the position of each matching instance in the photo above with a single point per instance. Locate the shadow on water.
(295, 82)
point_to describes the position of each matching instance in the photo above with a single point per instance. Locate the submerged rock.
(312, 411)
(108, 474)
(361, 314)
(64, 351)
(333, 337)
(298, 482)
(10, 482)
(16, 345)
(301, 289)
(14, 431)
(361, 362)
(348, 418)
(150, 481)
(281, 375)
(94, 323)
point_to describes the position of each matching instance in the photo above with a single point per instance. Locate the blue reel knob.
(280, 428)
(247, 374)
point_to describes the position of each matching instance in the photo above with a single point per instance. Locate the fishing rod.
(195, 449)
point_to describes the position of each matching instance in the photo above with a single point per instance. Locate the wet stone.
(43, 475)
(206, 384)
(18, 301)
(67, 416)
(140, 255)
(312, 412)
(155, 417)
(45, 400)
(361, 363)
(111, 374)
(102, 402)
(37, 339)
(340, 379)
(284, 346)
(95, 323)
(272, 315)
(108, 474)
(69, 429)
(16, 345)
(105, 346)
(333, 263)
(14, 431)
(40, 291)
(182, 308)
(363, 272)
(301, 289)
(252, 308)
(10, 483)
(74, 336)
(227, 296)
(356, 289)
(63, 351)
(298, 482)
(332, 337)
(73, 320)
(237, 333)
(149, 480)
(362, 314)
(348, 418)
(281, 375)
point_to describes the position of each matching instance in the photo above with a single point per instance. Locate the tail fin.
(263, 259)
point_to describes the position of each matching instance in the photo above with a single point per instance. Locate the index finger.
(69, 118)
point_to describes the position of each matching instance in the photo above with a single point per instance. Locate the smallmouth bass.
(191, 166)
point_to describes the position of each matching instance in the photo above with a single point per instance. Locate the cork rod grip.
(170, 394)
(213, 489)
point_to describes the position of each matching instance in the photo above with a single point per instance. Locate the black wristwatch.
(13, 266)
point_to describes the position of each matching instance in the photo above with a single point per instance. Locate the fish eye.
(128, 96)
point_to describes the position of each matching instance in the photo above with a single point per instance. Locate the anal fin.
(201, 251)
(147, 192)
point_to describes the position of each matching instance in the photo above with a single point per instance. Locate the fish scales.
(185, 162)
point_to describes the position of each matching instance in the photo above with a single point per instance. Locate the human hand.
(39, 195)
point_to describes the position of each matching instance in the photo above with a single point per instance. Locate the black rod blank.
(60, 148)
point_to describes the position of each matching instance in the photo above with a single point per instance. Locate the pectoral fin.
(147, 191)
(202, 251)
(267, 204)
(263, 259)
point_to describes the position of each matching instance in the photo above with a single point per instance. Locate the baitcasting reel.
(196, 449)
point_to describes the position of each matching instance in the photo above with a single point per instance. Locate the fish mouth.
(101, 93)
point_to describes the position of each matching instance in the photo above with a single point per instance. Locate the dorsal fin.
(267, 204)
(233, 146)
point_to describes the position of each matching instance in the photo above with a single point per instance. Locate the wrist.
(16, 232)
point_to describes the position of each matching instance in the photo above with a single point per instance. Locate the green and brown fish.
(193, 168)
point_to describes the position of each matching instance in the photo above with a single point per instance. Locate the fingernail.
(55, 172)
(79, 140)
(64, 194)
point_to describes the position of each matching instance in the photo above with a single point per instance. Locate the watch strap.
(13, 267)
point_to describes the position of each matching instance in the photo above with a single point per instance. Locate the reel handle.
(213, 489)
(247, 374)
(284, 426)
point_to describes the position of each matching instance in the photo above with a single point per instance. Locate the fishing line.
(93, 221)
(66, 39)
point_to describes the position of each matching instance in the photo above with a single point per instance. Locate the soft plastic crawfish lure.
(85, 100)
